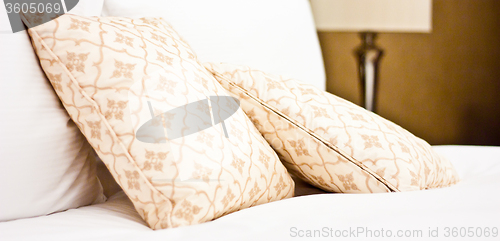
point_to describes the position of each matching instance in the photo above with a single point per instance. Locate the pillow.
(88, 8)
(46, 165)
(330, 142)
(181, 149)
(277, 36)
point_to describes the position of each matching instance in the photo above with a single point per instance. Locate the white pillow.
(88, 8)
(276, 36)
(46, 165)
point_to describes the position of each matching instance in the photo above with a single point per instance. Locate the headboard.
(276, 36)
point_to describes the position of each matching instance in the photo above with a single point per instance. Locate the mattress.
(466, 211)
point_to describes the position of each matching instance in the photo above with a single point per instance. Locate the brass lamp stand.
(368, 59)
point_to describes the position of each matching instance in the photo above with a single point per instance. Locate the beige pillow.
(330, 142)
(118, 75)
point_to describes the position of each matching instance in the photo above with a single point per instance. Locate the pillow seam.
(330, 146)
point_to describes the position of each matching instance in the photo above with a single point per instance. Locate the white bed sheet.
(474, 202)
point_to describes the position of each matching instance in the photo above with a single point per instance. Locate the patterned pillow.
(181, 149)
(330, 142)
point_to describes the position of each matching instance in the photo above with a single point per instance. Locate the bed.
(277, 37)
(472, 203)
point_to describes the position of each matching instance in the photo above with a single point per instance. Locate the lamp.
(368, 17)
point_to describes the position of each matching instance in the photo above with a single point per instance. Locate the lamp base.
(368, 59)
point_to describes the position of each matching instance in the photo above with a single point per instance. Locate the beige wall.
(443, 86)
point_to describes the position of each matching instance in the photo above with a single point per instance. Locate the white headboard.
(277, 36)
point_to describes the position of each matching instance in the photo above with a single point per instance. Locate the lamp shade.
(373, 15)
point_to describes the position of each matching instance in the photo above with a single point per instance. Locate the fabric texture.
(120, 76)
(277, 36)
(330, 142)
(46, 165)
